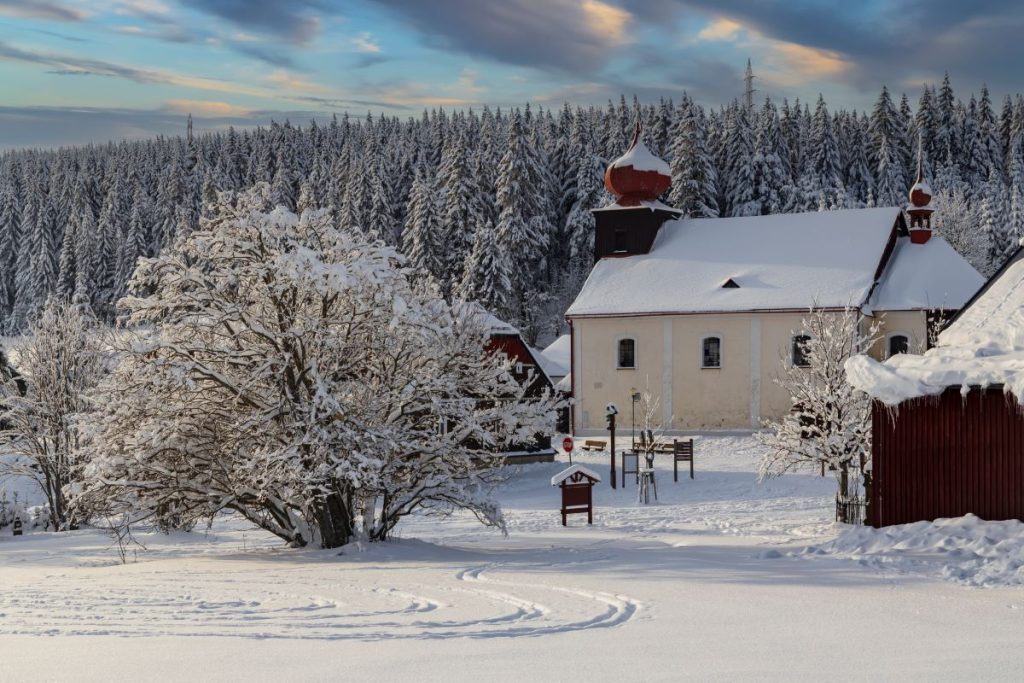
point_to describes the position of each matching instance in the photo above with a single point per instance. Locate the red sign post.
(567, 445)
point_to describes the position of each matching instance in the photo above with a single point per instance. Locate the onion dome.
(637, 176)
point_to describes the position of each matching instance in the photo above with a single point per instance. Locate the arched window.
(627, 353)
(800, 350)
(711, 352)
(898, 343)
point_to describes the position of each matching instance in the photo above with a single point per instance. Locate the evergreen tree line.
(495, 205)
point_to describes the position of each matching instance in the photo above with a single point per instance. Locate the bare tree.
(829, 425)
(60, 360)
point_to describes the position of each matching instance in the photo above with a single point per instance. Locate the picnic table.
(681, 450)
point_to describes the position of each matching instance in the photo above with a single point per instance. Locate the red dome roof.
(637, 175)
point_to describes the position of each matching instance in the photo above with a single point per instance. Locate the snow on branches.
(829, 424)
(286, 369)
(43, 403)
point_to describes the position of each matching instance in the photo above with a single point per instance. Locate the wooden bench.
(594, 445)
(682, 451)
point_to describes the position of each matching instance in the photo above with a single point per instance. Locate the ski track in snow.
(471, 603)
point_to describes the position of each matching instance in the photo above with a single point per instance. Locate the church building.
(703, 313)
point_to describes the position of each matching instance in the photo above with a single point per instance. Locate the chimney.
(920, 207)
(629, 225)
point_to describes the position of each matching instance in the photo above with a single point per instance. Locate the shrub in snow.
(61, 359)
(830, 423)
(285, 368)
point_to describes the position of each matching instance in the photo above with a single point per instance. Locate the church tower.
(636, 179)
(920, 208)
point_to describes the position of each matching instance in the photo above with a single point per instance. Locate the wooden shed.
(948, 425)
(528, 371)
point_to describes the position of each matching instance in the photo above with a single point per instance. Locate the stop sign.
(567, 444)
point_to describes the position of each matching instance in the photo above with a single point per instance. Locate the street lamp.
(634, 395)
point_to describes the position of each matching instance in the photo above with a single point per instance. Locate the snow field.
(723, 579)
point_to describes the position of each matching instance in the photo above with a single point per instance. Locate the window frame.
(792, 350)
(703, 340)
(618, 352)
(888, 342)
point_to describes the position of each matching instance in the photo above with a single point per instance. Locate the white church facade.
(703, 313)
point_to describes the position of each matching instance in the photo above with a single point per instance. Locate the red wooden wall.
(947, 456)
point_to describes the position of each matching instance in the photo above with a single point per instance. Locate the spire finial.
(920, 157)
(636, 133)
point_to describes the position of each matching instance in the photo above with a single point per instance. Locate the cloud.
(71, 65)
(206, 108)
(287, 80)
(720, 29)
(574, 36)
(468, 81)
(368, 60)
(42, 9)
(866, 44)
(56, 126)
(364, 42)
(296, 21)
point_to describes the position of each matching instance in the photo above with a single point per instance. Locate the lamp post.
(634, 396)
(610, 412)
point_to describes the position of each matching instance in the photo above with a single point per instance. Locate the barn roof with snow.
(780, 262)
(983, 346)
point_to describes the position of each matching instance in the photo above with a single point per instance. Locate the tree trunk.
(334, 518)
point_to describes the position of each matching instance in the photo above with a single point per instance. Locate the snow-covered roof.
(488, 320)
(558, 356)
(641, 159)
(983, 346)
(552, 369)
(565, 384)
(652, 204)
(780, 262)
(569, 471)
(925, 276)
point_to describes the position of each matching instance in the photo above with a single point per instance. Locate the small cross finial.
(636, 133)
(920, 157)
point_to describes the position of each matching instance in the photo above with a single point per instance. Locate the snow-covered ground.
(724, 578)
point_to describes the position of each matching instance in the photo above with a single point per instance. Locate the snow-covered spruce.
(73, 221)
(286, 369)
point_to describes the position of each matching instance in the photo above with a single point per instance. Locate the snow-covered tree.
(59, 362)
(694, 177)
(829, 425)
(284, 367)
(958, 223)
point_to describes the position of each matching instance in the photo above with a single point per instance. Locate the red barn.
(529, 371)
(948, 426)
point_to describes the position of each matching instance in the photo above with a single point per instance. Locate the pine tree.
(694, 178)
(995, 212)
(885, 155)
(486, 278)
(422, 236)
(10, 238)
(522, 227)
(739, 194)
(772, 183)
(823, 160)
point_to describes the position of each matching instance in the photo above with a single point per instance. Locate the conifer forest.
(494, 205)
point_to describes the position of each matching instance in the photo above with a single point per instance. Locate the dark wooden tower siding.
(948, 456)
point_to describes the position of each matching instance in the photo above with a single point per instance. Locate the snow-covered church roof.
(779, 262)
(983, 346)
(925, 276)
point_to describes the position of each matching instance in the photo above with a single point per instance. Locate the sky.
(78, 71)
